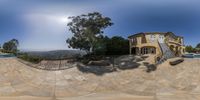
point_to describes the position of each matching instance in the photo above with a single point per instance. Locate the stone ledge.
(175, 61)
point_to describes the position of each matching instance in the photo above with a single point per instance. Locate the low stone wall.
(51, 65)
(176, 61)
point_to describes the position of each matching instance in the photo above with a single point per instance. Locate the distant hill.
(57, 54)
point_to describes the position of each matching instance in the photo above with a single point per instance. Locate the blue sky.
(41, 24)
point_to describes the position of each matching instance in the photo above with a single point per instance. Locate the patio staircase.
(166, 53)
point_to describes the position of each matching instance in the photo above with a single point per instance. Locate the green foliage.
(117, 46)
(100, 47)
(189, 49)
(10, 46)
(5, 51)
(198, 45)
(90, 57)
(87, 30)
(112, 46)
(30, 58)
(197, 50)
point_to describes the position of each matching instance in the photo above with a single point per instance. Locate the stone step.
(167, 53)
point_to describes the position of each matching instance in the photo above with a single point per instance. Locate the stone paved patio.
(21, 82)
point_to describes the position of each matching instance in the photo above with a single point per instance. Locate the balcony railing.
(175, 42)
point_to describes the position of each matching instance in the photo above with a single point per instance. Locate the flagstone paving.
(21, 82)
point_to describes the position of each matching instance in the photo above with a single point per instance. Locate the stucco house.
(161, 44)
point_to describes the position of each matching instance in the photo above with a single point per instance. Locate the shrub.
(5, 51)
(90, 57)
(29, 58)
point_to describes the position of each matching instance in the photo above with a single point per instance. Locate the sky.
(42, 24)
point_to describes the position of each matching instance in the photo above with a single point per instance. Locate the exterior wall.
(139, 40)
(158, 51)
(178, 41)
(152, 41)
(148, 44)
(151, 38)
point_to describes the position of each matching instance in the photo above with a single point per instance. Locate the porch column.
(130, 50)
(130, 47)
(138, 51)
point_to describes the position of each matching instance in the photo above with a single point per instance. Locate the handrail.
(156, 58)
(175, 42)
(160, 54)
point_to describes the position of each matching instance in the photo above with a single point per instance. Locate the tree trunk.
(91, 49)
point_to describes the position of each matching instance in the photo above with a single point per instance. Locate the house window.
(148, 50)
(134, 41)
(152, 38)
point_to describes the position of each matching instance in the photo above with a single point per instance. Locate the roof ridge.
(165, 33)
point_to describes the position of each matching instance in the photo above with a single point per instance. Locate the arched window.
(148, 50)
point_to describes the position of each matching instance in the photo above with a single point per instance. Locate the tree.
(189, 49)
(198, 45)
(117, 46)
(11, 46)
(101, 46)
(87, 30)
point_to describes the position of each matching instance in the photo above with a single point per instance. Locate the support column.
(138, 51)
(130, 47)
(130, 50)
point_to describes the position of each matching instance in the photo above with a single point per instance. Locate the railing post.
(59, 64)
